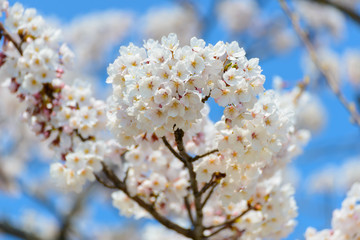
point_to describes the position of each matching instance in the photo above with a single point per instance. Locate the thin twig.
(350, 107)
(228, 223)
(209, 195)
(76, 208)
(146, 206)
(204, 155)
(172, 150)
(7, 35)
(188, 208)
(342, 8)
(198, 226)
(7, 228)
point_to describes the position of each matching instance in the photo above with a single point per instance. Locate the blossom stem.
(344, 9)
(121, 185)
(204, 155)
(6, 34)
(350, 107)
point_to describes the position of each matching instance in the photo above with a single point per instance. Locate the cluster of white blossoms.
(159, 91)
(345, 222)
(67, 116)
(162, 87)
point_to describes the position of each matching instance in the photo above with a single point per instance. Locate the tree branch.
(229, 223)
(198, 226)
(5, 227)
(188, 208)
(350, 107)
(172, 150)
(77, 206)
(344, 9)
(6, 34)
(121, 185)
(204, 155)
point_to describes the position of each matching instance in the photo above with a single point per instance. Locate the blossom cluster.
(159, 90)
(163, 86)
(67, 116)
(255, 137)
(345, 222)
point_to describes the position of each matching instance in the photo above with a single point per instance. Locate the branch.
(212, 184)
(204, 155)
(229, 223)
(6, 34)
(198, 226)
(77, 206)
(172, 150)
(344, 9)
(121, 185)
(188, 208)
(5, 227)
(350, 107)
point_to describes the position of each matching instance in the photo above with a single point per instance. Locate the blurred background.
(32, 208)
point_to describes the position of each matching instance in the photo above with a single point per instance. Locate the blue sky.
(334, 144)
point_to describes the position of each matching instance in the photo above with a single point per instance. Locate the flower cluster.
(162, 87)
(67, 116)
(345, 222)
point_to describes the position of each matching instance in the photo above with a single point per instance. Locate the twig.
(342, 8)
(146, 206)
(172, 150)
(204, 155)
(77, 206)
(350, 107)
(7, 35)
(5, 227)
(228, 223)
(198, 226)
(188, 208)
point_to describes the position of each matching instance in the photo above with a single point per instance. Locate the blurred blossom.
(320, 16)
(330, 62)
(42, 225)
(158, 232)
(161, 21)
(345, 222)
(352, 59)
(310, 113)
(92, 36)
(237, 15)
(282, 40)
(335, 178)
(323, 181)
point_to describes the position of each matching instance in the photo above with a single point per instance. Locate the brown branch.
(7, 228)
(204, 155)
(228, 223)
(198, 226)
(121, 185)
(350, 107)
(103, 182)
(7, 35)
(342, 8)
(172, 150)
(188, 208)
(76, 208)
